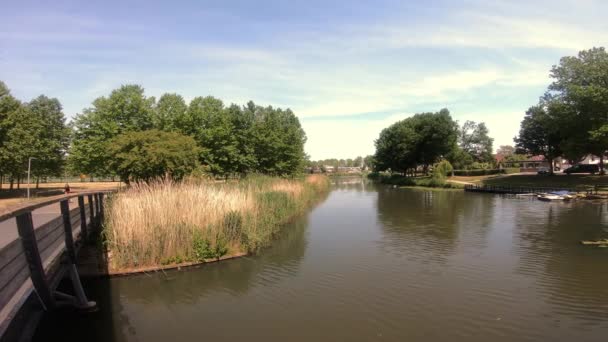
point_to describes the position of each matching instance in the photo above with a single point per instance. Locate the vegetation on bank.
(166, 222)
(566, 181)
(136, 137)
(437, 180)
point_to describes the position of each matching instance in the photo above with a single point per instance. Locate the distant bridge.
(33, 264)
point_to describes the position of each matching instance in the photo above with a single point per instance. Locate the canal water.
(373, 263)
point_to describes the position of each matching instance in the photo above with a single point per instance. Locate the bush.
(442, 169)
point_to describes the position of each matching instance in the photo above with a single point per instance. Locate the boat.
(555, 196)
(603, 242)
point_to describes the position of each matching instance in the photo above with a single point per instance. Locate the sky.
(347, 69)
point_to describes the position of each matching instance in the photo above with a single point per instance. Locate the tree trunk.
(551, 166)
(602, 164)
(12, 181)
(18, 182)
(37, 182)
(1, 180)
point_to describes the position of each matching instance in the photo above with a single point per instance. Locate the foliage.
(541, 132)
(473, 139)
(170, 110)
(419, 140)
(147, 155)
(442, 169)
(165, 222)
(127, 109)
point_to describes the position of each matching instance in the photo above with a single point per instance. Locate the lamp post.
(29, 168)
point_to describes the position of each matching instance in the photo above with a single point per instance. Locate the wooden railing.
(33, 264)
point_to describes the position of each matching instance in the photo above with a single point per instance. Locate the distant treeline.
(365, 162)
(135, 137)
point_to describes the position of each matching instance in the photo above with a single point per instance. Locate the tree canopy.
(420, 140)
(148, 155)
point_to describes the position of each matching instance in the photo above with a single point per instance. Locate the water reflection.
(373, 262)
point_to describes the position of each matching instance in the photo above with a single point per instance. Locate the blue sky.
(346, 68)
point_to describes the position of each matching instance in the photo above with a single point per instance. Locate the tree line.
(359, 161)
(571, 118)
(420, 141)
(138, 138)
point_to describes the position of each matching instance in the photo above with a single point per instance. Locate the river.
(373, 263)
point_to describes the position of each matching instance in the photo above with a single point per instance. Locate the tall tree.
(581, 82)
(170, 109)
(474, 140)
(52, 136)
(541, 133)
(8, 105)
(127, 109)
(278, 141)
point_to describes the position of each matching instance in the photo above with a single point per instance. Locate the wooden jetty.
(515, 190)
(33, 265)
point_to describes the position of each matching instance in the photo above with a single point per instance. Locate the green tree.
(581, 83)
(474, 140)
(127, 109)
(278, 140)
(52, 135)
(170, 109)
(420, 140)
(541, 132)
(149, 155)
(8, 105)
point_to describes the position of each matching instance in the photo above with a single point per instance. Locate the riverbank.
(421, 182)
(168, 225)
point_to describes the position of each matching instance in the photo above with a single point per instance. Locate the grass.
(559, 180)
(423, 181)
(171, 223)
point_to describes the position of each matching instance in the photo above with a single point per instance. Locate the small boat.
(555, 196)
(603, 242)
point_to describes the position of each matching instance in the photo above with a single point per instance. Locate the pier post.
(80, 299)
(25, 227)
(83, 219)
(91, 211)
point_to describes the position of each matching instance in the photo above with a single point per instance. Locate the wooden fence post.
(81, 300)
(91, 211)
(83, 219)
(25, 227)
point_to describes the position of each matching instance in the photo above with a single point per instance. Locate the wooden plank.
(51, 243)
(12, 286)
(10, 252)
(11, 270)
(48, 228)
(83, 217)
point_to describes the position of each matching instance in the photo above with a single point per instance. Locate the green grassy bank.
(424, 181)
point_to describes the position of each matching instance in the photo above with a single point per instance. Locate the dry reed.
(168, 223)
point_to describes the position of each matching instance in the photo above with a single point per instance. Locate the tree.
(149, 155)
(127, 109)
(170, 109)
(473, 139)
(278, 140)
(540, 133)
(422, 139)
(505, 150)
(8, 105)
(52, 136)
(581, 83)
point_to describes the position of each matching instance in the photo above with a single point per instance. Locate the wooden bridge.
(39, 258)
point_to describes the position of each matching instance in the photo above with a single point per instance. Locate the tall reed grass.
(193, 221)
